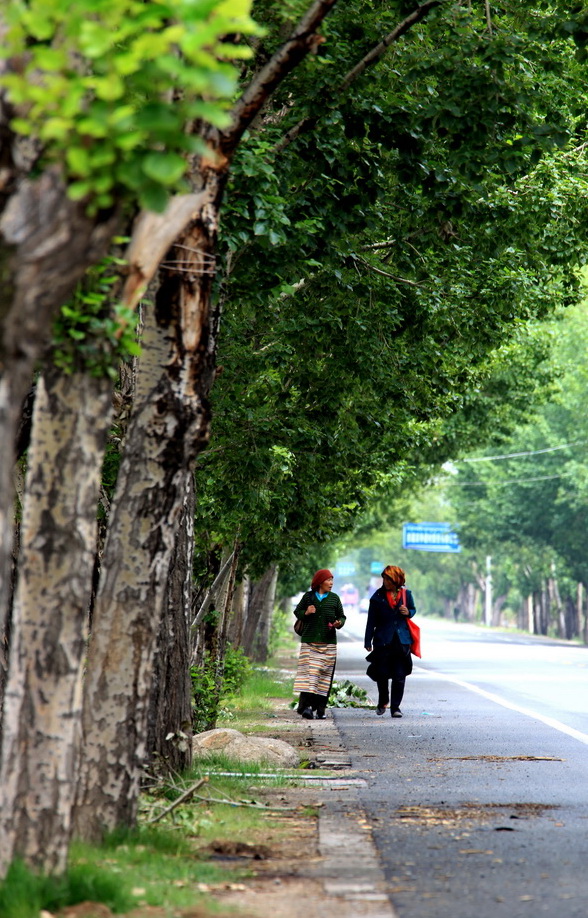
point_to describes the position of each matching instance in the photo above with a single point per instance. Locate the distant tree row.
(520, 501)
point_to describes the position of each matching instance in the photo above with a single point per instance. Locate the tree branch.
(380, 245)
(204, 605)
(153, 234)
(400, 280)
(302, 41)
(372, 57)
(488, 17)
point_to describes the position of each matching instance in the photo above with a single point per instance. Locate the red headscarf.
(396, 574)
(319, 578)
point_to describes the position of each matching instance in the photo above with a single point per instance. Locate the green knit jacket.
(329, 609)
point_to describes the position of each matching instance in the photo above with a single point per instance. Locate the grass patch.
(156, 866)
(24, 894)
(215, 762)
(261, 686)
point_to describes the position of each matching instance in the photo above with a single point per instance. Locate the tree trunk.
(556, 603)
(530, 623)
(206, 599)
(167, 430)
(225, 608)
(571, 618)
(259, 615)
(46, 244)
(169, 734)
(543, 610)
(145, 514)
(43, 698)
(239, 612)
(497, 607)
(536, 610)
(467, 601)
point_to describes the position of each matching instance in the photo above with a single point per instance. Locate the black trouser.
(317, 703)
(397, 668)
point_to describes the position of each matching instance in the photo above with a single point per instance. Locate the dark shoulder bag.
(300, 623)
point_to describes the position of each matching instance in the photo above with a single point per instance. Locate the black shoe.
(308, 714)
(380, 710)
(396, 713)
(320, 715)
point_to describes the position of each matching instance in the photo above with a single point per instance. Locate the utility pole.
(488, 592)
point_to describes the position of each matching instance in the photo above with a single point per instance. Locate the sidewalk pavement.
(349, 867)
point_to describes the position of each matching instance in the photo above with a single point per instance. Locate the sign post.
(488, 592)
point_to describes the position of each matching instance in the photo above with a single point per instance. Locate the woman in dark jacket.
(388, 639)
(322, 613)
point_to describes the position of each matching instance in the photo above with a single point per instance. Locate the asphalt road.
(478, 797)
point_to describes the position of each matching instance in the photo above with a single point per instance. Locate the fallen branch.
(252, 805)
(181, 799)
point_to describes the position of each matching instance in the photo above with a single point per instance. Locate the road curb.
(350, 867)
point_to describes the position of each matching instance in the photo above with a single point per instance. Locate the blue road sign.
(430, 537)
(345, 569)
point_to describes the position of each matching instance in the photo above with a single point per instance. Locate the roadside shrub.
(211, 685)
(205, 699)
(237, 670)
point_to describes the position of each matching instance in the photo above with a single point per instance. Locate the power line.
(485, 484)
(532, 452)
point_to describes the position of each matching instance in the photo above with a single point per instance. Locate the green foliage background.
(384, 273)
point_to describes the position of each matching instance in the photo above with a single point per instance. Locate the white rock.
(246, 748)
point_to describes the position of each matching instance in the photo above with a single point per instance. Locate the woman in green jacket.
(322, 613)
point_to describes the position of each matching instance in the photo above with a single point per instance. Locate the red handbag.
(415, 631)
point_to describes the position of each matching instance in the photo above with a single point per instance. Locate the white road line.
(548, 721)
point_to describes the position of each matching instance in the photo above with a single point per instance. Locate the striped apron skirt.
(316, 665)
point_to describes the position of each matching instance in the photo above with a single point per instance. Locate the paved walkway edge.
(350, 866)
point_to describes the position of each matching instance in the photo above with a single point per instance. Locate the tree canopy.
(386, 251)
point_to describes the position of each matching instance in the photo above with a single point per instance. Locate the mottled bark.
(239, 612)
(49, 627)
(260, 615)
(46, 244)
(225, 608)
(540, 610)
(556, 604)
(202, 632)
(169, 730)
(525, 617)
(168, 426)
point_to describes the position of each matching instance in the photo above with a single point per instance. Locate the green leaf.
(78, 160)
(109, 88)
(153, 197)
(79, 190)
(166, 168)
